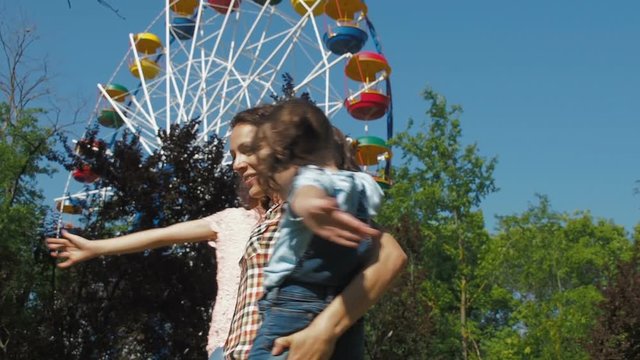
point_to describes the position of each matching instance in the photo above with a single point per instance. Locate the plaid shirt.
(246, 318)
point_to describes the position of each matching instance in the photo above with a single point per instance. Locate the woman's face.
(244, 161)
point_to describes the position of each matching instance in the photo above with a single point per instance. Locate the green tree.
(24, 269)
(544, 270)
(25, 142)
(437, 193)
(616, 334)
(155, 304)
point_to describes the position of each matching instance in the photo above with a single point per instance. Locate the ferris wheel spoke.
(173, 77)
(274, 52)
(334, 107)
(219, 62)
(368, 86)
(126, 120)
(199, 95)
(140, 116)
(320, 70)
(167, 68)
(143, 83)
(194, 41)
(234, 54)
(219, 38)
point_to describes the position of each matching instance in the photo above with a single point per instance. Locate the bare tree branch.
(22, 80)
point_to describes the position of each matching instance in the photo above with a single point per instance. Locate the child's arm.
(74, 249)
(317, 341)
(321, 215)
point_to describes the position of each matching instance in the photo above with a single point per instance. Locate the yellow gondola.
(147, 43)
(67, 207)
(150, 69)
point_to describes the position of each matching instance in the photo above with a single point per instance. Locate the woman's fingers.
(280, 345)
(57, 242)
(65, 264)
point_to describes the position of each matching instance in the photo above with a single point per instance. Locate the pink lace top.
(233, 227)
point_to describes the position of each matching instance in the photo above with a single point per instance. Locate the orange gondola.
(371, 103)
(184, 7)
(68, 206)
(370, 149)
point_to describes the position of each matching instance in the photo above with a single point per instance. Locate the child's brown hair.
(345, 152)
(297, 133)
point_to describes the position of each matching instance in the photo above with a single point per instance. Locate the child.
(299, 159)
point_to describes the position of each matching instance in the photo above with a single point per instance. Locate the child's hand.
(326, 220)
(71, 248)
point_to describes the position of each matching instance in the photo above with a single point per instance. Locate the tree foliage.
(25, 142)
(616, 334)
(529, 291)
(435, 201)
(156, 304)
(544, 269)
(24, 269)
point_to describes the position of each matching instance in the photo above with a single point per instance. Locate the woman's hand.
(71, 248)
(311, 343)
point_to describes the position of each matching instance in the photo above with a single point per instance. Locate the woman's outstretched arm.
(73, 249)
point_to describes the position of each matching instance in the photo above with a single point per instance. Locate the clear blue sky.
(551, 88)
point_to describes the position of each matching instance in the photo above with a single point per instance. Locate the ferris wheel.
(207, 60)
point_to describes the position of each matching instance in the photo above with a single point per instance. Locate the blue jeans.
(291, 308)
(217, 354)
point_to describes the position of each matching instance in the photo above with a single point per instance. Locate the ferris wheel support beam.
(205, 74)
(83, 195)
(255, 56)
(204, 117)
(319, 70)
(194, 41)
(154, 134)
(254, 76)
(324, 56)
(145, 90)
(167, 67)
(295, 30)
(269, 84)
(124, 118)
(336, 107)
(368, 86)
(234, 56)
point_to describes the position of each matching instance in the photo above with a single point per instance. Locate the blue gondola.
(345, 39)
(183, 27)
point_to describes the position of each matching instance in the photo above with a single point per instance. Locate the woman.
(318, 340)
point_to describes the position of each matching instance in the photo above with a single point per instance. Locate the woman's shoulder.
(235, 215)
